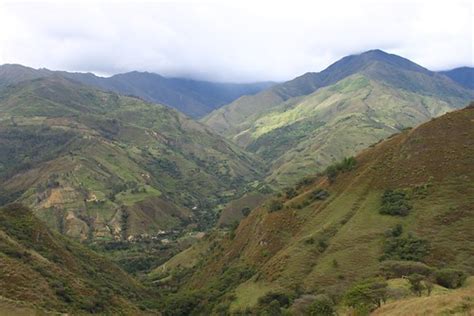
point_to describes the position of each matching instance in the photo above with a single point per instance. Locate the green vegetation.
(395, 202)
(322, 306)
(340, 245)
(51, 272)
(301, 126)
(405, 248)
(274, 205)
(345, 165)
(122, 167)
(366, 295)
(450, 278)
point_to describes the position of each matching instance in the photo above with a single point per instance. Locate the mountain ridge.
(94, 164)
(192, 97)
(329, 232)
(395, 90)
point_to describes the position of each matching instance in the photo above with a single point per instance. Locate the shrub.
(245, 211)
(275, 205)
(322, 306)
(450, 278)
(396, 231)
(346, 164)
(398, 269)
(415, 283)
(366, 295)
(319, 194)
(283, 299)
(290, 193)
(395, 202)
(405, 248)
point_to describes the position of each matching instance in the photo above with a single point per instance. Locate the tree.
(429, 287)
(450, 278)
(322, 306)
(367, 295)
(415, 283)
(275, 205)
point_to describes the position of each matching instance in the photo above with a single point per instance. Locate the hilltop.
(406, 202)
(301, 126)
(94, 164)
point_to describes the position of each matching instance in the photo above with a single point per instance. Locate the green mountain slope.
(97, 165)
(46, 271)
(327, 234)
(463, 75)
(352, 104)
(192, 97)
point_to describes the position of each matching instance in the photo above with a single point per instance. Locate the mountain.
(44, 271)
(463, 75)
(301, 126)
(192, 97)
(403, 206)
(95, 164)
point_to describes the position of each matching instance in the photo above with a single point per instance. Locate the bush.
(322, 306)
(450, 278)
(395, 202)
(275, 205)
(397, 269)
(408, 248)
(290, 193)
(366, 295)
(245, 211)
(346, 164)
(283, 299)
(319, 194)
(416, 286)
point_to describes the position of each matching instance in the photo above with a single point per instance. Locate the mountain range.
(192, 97)
(301, 126)
(94, 164)
(347, 191)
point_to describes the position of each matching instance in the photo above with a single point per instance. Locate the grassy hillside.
(353, 103)
(97, 165)
(44, 271)
(330, 232)
(192, 97)
(447, 302)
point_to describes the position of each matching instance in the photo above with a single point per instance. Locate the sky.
(233, 41)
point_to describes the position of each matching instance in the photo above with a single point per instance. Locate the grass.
(441, 302)
(431, 163)
(248, 293)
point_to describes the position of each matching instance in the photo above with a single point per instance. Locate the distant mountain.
(301, 126)
(94, 164)
(345, 227)
(44, 271)
(463, 75)
(192, 97)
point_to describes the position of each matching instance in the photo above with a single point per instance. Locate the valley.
(138, 194)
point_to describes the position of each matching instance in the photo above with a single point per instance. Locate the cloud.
(230, 40)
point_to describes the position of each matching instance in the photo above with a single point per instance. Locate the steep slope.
(352, 104)
(463, 75)
(192, 97)
(46, 271)
(325, 235)
(94, 164)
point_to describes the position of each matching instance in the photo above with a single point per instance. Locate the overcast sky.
(231, 40)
